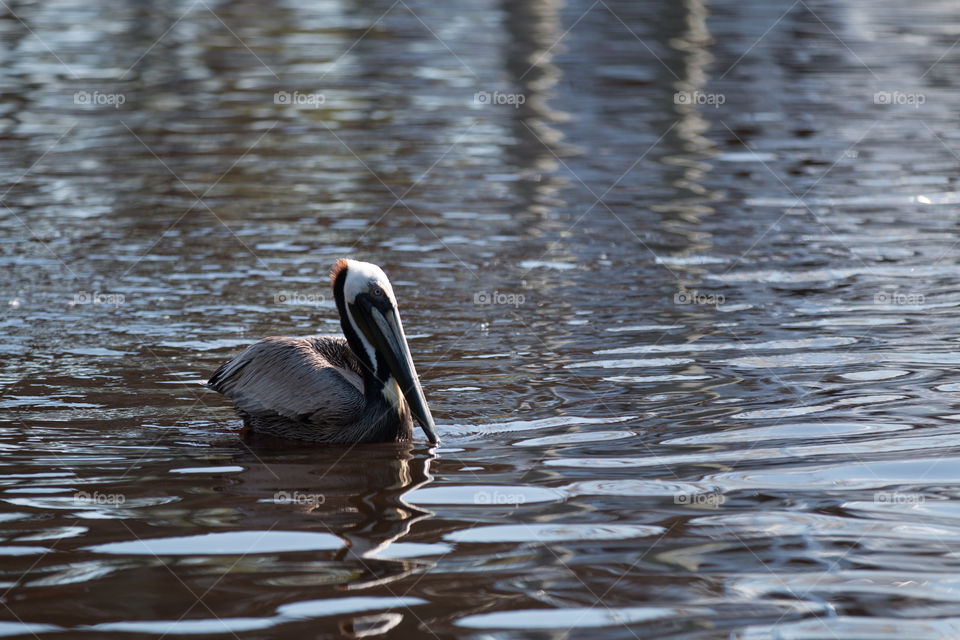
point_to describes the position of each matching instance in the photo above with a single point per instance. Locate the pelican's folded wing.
(304, 379)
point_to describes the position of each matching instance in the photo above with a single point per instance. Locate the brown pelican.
(361, 388)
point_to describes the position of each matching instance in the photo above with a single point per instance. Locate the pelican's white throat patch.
(391, 391)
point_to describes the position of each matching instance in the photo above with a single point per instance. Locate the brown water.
(687, 317)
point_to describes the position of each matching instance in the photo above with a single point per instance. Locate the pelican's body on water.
(362, 387)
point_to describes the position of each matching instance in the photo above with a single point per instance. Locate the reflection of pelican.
(363, 388)
(388, 518)
(360, 499)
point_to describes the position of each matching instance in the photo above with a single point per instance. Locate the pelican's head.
(369, 315)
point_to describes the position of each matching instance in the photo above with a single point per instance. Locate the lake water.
(680, 280)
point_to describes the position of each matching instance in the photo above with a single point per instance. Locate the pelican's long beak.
(385, 332)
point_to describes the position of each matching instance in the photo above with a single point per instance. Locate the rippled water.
(679, 277)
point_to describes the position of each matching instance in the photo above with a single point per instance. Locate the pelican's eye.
(377, 292)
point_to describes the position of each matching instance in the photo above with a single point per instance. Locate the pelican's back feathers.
(314, 382)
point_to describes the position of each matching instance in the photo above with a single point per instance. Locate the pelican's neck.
(360, 346)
